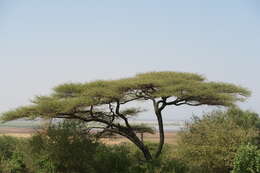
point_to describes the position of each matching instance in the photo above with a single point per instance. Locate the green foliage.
(116, 159)
(143, 128)
(16, 163)
(160, 166)
(7, 145)
(247, 159)
(190, 87)
(40, 155)
(11, 158)
(131, 111)
(164, 164)
(244, 119)
(62, 148)
(209, 144)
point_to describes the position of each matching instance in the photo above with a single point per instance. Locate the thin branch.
(124, 102)
(174, 102)
(190, 104)
(121, 115)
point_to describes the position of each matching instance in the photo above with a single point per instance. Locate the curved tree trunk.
(129, 134)
(161, 130)
(145, 150)
(161, 133)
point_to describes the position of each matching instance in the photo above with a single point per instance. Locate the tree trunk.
(131, 135)
(161, 133)
(160, 125)
(141, 146)
(146, 153)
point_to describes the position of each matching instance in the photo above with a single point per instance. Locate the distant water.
(174, 119)
(169, 125)
(22, 124)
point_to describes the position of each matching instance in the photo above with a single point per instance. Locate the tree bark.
(161, 133)
(145, 150)
(146, 153)
(161, 129)
(129, 134)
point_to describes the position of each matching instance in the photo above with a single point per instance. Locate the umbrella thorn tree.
(102, 101)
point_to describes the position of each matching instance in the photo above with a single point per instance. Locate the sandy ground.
(170, 136)
(17, 132)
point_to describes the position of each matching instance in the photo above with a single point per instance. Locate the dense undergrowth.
(219, 142)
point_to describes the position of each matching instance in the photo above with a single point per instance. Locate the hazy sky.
(45, 43)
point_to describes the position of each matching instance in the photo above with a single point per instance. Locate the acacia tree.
(103, 101)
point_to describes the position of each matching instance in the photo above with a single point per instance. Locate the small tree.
(102, 101)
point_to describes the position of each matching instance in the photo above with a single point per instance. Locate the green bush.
(63, 148)
(164, 164)
(126, 158)
(209, 144)
(11, 158)
(247, 160)
(114, 159)
(7, 146)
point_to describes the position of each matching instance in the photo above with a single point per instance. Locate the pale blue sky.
(45, 43)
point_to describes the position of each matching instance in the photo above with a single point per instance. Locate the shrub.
(11, 158)
(116, 159)
(126, 158)
(164, 164)
(247, 160)
(209, 144)
(63, 148)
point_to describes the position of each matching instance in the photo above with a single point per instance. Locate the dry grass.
(18, 135)
(16, 132)
(170, 137)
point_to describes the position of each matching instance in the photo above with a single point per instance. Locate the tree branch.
(120, 115)
(124, 102)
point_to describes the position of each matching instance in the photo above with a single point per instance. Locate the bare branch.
(190, 104)
(122, 116)
(124, 102)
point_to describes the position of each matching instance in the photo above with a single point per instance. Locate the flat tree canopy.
(101, 101)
